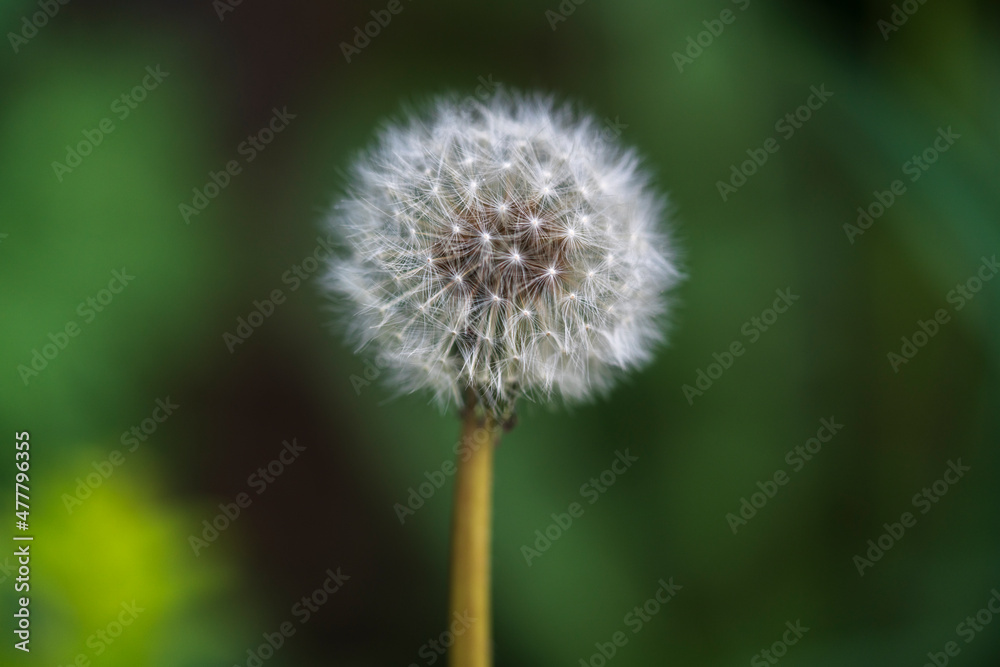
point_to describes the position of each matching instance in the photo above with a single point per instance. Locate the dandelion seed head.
(531, 261)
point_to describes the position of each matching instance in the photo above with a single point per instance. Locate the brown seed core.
(510, 254)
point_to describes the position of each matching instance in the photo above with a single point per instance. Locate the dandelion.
(500, 250)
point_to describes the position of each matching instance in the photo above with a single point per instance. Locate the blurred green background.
(122, 528)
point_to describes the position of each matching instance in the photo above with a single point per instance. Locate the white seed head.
(503, 246)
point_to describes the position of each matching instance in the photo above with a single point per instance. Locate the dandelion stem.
(470, 540)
